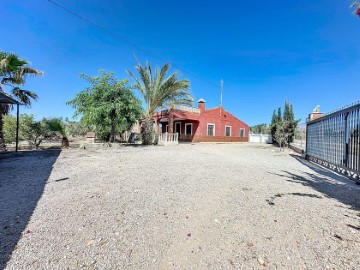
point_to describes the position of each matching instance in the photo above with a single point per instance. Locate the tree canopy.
(283, 125)
(108, 104)
(13, 74)
(159, 91)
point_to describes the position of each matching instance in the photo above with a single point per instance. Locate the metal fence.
(333, 141)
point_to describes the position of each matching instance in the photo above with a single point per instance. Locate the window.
(242, 132)
(188, 129)
(227, 131)
(167, 128)
(211, 130)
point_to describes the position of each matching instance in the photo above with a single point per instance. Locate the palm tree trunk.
(2, 140)
(147, 135)
(65, 142)
(171, 121)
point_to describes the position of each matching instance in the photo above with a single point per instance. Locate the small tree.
(281, 134)
(35, 132)
(76, 129)
(108, 104)
(10, 126)
(283, 126)
(57, 125)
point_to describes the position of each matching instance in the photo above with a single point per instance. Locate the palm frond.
(57, 125)
(24, 96)
(159, 91)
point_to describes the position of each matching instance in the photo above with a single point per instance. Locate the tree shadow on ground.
(327, 182)
(23, 177)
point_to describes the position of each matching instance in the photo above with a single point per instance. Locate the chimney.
(201, 105)
(315, 114)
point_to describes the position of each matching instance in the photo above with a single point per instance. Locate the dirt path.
(203, 206)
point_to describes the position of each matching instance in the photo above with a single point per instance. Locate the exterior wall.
(219, 139)
(212, 116)
(226, 119)
(260, 138)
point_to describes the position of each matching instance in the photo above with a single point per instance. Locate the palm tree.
(58, 125)
(13, 73)
(158, 92)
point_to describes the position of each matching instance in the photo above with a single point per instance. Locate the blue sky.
(307, 52)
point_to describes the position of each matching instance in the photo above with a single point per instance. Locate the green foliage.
(10, 126)
(260, 129)
(35, 132)
(108, 104)
(283, 126)
(281, 133)
(76, 129)
(158, 92)
(13, 73)
(57, 125)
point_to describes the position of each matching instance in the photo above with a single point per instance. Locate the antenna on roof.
(221, 91)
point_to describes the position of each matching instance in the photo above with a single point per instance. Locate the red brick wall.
(226, 119)
(219, 139)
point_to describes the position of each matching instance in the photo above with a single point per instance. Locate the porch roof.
(4, 98)
(163, 116)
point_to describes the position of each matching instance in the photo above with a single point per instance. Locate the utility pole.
(221, 91)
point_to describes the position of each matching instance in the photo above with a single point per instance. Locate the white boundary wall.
(260, 138)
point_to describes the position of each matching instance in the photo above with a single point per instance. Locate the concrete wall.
(260, 138)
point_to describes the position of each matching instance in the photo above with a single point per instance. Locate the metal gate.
(333, 141)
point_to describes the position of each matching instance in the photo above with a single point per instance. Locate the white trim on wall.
(207, 129)
(230, 130)
(189, 124)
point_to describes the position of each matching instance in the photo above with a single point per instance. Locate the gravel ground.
(191, 206)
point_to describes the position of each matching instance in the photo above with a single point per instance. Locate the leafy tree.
(283, 126)
(13, 74)
(58, 125)
(76, 129)
(35, 132)
(276, 118)
(10, 126)
(108, 104)
(158, 92)
(281, 133)
(260, 129)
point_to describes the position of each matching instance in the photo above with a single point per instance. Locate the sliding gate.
(333, 141)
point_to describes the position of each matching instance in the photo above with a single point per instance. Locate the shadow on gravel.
(328, 183)
(279, 195)
(23, 176)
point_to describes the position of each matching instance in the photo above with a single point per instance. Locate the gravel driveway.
(191, 206)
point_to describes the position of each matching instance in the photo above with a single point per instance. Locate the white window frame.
(244, 133)
(189, 124)
(207, 129)
(167, 128)
(175, 127)
(230, 130)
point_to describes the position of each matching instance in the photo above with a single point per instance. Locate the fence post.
(346, 143)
